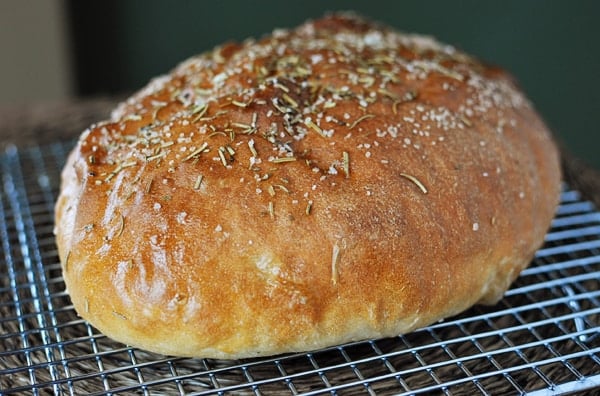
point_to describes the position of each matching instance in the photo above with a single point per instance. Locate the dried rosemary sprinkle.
(291, 101)
(346, 163)
(240, 104)
(308, 122)
(390, 76)
(309, 207)
(360, 119)
(282, 87)
(67, 261)
(121, 225)
(252, 148)
(110, 176)
(156, 156)
(416, 181)
(241, 125)
(283, 159)
(149, 185)
(279, 107)
(133, 117)
(282, 187)
(387, 93)
(301, 71)
(130, 193)
(334, 262)
(215, 133)
(367, 81)
(222, 156)
(449, 72)
(199, 112)
(119, 315)
(329, 104)
(158, 107)
(410, 95)
(119, 168)
(465, 120)
(196, 152)
(199, 109)
(88, 227)
(198, 182)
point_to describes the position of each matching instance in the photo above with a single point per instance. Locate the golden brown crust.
(336, 182)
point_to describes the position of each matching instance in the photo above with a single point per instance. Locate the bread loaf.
(335, 182)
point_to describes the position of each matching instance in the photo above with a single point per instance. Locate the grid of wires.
(542, 338)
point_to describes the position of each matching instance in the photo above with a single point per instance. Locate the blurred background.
(69, 50)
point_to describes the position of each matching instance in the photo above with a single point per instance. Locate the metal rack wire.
(542, 338)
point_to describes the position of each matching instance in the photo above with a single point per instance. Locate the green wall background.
(552, 47)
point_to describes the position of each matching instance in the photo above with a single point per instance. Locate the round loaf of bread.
(335, 182)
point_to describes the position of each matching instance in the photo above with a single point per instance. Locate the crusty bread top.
(330, 183)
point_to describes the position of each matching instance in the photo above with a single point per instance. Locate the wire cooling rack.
(541, 339)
